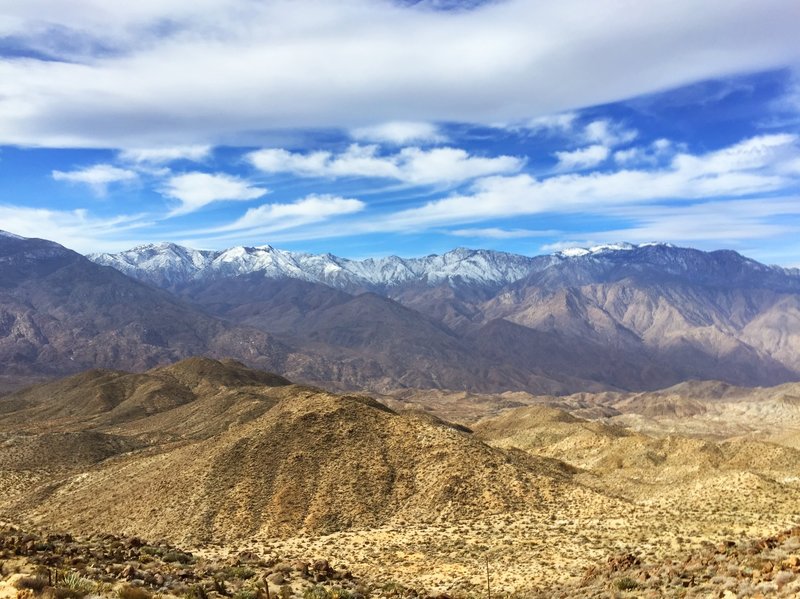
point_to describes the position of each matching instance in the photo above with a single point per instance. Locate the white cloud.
(410, 165)
(651, 154)
(750, 167)
(400, 133)
(312, 63)
(608, 133)
(164, 155)
(195, 190)
(552, 124)
(582, 158)
(498, 233)
(75, 229)
(755, 153)
(312, 208)
(724, 223)
(98, 177)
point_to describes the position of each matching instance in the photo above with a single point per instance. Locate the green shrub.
(626, 584)
(320, 592)
(177, 556)
(241, 572)
(75, 585)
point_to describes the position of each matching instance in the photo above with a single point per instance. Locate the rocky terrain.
(253, 476)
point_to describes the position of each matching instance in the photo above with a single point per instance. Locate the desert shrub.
(177, 556)
(246, 593)
(782, 578)
(320, 592)
(131, 592)
(74, 585)
(241, 572)
(150, 550)
(626, 584)
(33, 583)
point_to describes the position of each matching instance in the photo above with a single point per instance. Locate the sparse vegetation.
(33, 583)
(131, 592)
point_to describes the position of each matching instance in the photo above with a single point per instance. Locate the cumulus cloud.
(98, 177)
(400, 133)
(651, 154)
(127, 80)
(552, 124)
(582, 158)
(410, 165)
(195, 190)
(165, 155)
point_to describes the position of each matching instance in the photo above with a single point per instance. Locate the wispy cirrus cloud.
(98, 177)
(76, 229)
(196, 190)
(164, 155)
(751, 166)
(410, 165)
(314, 208)
(500, 233)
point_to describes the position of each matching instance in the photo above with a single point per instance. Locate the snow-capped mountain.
(170, 265)
(618, 316)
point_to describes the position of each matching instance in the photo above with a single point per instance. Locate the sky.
(374, 127)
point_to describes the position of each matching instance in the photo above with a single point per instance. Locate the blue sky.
(370, 127)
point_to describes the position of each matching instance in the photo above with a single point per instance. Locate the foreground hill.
(253, 455)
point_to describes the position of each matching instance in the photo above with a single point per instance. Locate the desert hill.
(231, 461)
(222, 452)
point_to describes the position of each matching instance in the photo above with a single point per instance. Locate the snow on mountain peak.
(577, 252)
(170, 265)
(10, 235)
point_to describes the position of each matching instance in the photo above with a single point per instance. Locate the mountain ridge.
(172, 265)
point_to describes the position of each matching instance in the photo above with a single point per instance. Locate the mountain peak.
(577, 252)
(10, 235)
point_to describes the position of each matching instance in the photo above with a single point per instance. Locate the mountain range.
(613, 317)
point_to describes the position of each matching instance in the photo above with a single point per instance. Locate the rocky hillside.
(254, 456)
(60, 312)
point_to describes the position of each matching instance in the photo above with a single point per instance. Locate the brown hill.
(617, 453)
(277, 459)
(198, 396)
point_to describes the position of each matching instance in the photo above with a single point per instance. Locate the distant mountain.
(60, 312)
(173, 266)
(616, 317)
